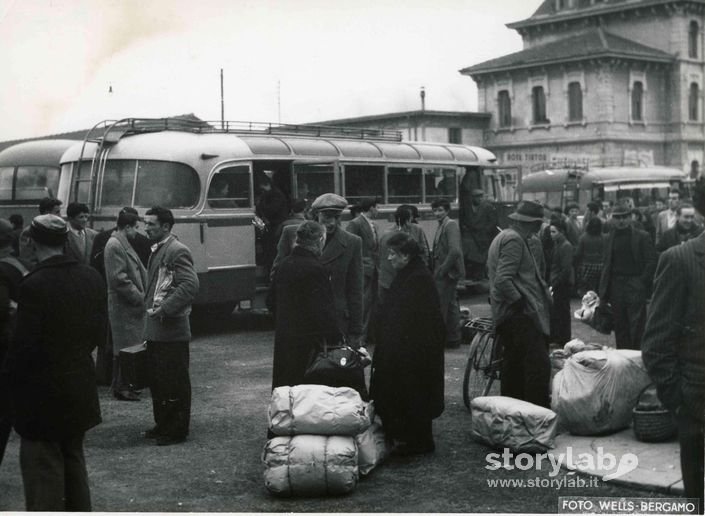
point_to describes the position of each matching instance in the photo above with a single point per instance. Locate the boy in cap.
(51, 372)
(629, 261)
(521, 303)
(342, 256)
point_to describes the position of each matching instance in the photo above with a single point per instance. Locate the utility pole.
(222, 102)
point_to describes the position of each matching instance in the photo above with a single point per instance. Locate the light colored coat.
(173, 324)
(127, 280)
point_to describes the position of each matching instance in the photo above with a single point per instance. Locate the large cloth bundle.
(504, 422)
(596, 391)
(310, 465)
(317, 409)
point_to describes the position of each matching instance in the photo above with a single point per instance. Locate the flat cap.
(329, 202)
(49, 229)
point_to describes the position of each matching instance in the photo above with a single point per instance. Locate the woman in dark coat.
(561, 282)
(304, 307)
(407, 369)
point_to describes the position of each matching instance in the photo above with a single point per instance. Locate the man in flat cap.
(51, 370)
(521, 303)
(478, 226)
(629, 262)
(342, 256)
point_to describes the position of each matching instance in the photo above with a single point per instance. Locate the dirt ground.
(219, 468)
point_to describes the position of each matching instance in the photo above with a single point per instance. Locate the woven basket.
(654, 425)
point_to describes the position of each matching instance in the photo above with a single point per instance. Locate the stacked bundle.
(325, 439)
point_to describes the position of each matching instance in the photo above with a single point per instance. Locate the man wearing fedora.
(61, 316)
(478, 224)
(629, 261)
(342, 257)
(521, 303)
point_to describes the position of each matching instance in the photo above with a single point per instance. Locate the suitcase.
(133, 366)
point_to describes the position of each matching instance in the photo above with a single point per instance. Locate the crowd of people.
(139, 290)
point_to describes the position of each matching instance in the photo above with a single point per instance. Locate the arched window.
(693, 95)
(538, 104)
(505, 109)
(693, 36)
(575, 102)
(638, 101)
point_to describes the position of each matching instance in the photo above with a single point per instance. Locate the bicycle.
(484, 360)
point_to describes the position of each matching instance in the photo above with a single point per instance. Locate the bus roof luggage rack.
(116, 129)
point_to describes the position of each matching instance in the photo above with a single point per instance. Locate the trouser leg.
(629, 308)
(78, 496)
(42, 467)
(690, 436)
(512, 372)
(171, 387)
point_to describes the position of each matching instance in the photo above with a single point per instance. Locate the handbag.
(603, 318)
(338, 366)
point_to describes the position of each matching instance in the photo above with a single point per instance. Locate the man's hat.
(528, 211)
(329, 202)
(49, 230)
(621, 208)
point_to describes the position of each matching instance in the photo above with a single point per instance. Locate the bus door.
(227, 234)
(314, 178)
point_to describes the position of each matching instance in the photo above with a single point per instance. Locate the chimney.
(423, 98)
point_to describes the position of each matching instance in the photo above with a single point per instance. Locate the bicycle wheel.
(478, 377)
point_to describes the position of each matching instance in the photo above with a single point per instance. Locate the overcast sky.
(283, 60)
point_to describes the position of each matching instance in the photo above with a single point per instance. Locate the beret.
(49, 229)
(329, 201)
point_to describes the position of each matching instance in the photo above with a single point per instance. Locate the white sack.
(371, 447)
(317, 409)
(596, 391)
(504, 422)
(310, 465)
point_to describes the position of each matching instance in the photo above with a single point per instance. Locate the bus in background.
(210, 177)
(29, 172)
(560, 186)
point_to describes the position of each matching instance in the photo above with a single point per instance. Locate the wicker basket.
(653, 425)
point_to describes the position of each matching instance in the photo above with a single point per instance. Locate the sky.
(288, 61)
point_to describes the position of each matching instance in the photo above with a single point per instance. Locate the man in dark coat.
(342, 257)
(407, 382)
(628, 268)
(305, 310)
(673, 350)
(478, 226)
(61, 317)
(684, 229)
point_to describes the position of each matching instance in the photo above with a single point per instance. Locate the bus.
(561, 186)
(208, 175)
(29, 172)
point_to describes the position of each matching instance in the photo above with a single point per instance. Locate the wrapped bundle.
(504, 422)
(318, 410)
(597, 390)
(310, 465)
(371, 447)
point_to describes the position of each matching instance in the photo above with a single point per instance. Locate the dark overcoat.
(305, 314)
(61, 317)
(644, 256)
(407, 369)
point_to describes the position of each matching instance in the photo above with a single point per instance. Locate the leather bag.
(338, 366)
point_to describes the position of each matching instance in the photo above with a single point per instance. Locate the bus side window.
(312, 180)
(441, 183)
(35, 183)
(230, 188)
(166, 184)
(118, 183)
(364, 181)
(404, 185)
(6, 174)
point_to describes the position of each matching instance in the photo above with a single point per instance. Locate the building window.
(560, 4)
(575, 102)
(638, 101)
(455, 135)
(505, 109)
(693, 102)
(693, 33)
(538, 104)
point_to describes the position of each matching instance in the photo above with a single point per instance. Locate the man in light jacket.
(521, 304)
(172, 285)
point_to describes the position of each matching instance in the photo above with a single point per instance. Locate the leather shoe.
(153, 433)
(125, 396)
(166, 440)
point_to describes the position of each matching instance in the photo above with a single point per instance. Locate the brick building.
(601, 82)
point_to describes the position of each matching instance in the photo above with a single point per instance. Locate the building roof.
(548, 12)
(405, 114)
(587, 45)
